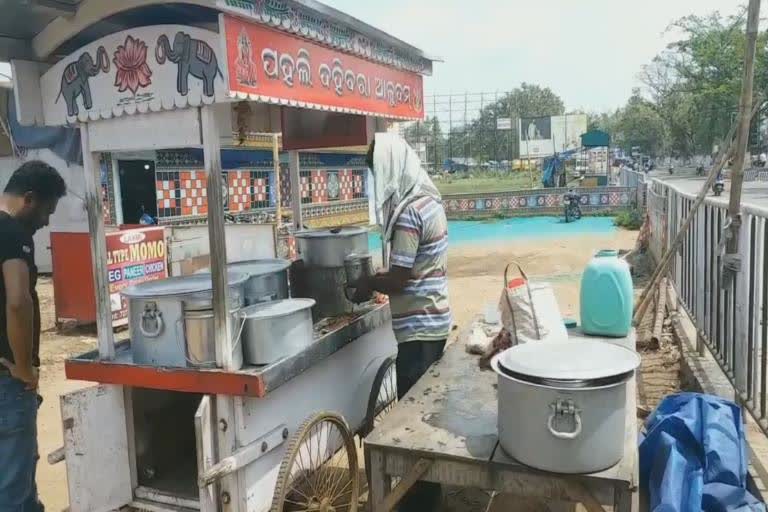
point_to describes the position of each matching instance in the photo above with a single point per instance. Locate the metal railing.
(731, 319)
(637, 181)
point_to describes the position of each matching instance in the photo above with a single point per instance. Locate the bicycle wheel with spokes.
(319, 471)
(383, 396)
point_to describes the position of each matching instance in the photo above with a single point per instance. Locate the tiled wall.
(182, 193)
(532, 202)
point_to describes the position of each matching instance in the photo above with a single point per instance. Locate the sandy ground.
(475, 280)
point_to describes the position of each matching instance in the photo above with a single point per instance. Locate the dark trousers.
(413, 360)
(18, 447)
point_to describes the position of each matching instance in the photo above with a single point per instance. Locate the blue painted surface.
(466, 232)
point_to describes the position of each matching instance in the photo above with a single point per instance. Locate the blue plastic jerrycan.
(606, 296)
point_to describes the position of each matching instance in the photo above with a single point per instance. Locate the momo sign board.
(272, 66)
(144, 69)
(133, 256)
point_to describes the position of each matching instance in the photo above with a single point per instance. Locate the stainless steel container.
(200, 332)
(156, 312)
(328, 247)
(562, 405)
(274, 330)
(267, 279)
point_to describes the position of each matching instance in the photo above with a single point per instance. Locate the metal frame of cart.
(139, 94)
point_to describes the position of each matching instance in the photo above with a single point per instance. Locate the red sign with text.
(133, 256)
(281, 67)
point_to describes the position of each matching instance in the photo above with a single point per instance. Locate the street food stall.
(234, 391)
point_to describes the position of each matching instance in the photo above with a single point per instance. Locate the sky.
(589, 52)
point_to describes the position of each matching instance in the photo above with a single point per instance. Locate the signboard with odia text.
(268, 65)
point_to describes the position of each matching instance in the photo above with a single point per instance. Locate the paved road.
(754, 193)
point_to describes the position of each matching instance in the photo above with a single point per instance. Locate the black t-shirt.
(16, 243)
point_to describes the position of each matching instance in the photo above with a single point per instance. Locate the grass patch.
(629, 219)
(485, 182)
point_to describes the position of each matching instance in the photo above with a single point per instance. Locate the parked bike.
(572, 201)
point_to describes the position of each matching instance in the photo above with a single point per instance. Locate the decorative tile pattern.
(194, 192)
(306, 187)
(319, 180)
(168, 190)
(285, 186)
(544, 200)
(261, 186)
(239, 187)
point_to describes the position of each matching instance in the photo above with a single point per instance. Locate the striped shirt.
(420, 243)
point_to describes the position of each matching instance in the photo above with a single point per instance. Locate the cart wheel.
(383, 396)
(319, 471)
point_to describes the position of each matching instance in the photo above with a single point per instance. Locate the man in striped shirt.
(413, 222)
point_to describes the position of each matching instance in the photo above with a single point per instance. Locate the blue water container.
(606, 296)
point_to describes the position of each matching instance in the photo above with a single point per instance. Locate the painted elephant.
(193, 57)
(74, 79)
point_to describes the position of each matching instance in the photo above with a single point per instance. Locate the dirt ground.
(475, 274)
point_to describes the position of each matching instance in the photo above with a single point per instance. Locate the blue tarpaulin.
(554, 164)
(63, 141)
(694, 456)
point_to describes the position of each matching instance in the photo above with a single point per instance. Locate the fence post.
(741, 313)
(700, 277)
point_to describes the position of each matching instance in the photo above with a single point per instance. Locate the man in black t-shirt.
(29, 199)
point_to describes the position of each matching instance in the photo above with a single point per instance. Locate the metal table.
(444, 430)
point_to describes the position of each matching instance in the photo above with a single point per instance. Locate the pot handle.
(151, 313)
(564, 407)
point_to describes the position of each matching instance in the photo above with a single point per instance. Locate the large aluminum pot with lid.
(161, 334)
(278, 329)
(329, 247)
(562, 405)
(267, 279)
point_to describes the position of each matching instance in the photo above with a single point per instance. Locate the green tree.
(427, 138)
(696, 82)
(483, 141)
(639, 124)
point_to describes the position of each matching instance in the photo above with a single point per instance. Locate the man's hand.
(29, 376)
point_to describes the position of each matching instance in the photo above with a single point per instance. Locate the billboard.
(543, 136)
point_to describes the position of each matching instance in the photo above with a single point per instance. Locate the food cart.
(150, 74)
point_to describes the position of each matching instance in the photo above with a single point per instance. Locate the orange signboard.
(273, 66)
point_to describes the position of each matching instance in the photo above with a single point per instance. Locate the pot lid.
(180, 285)
(276, 308)
(569, 360)
(254, 268)
(332, 233)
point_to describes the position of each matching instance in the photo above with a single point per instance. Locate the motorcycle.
(572, 206)
(718, 186)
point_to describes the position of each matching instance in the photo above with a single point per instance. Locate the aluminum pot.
(278, 329)
(329, 247)
(562, 405)
(267, 279)
(156, 311)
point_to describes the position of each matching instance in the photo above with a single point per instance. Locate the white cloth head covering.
(398, 178)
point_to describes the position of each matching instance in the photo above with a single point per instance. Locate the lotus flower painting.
(131, 62)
